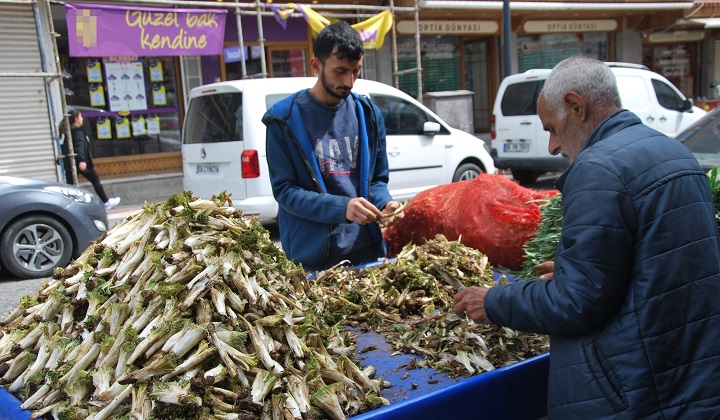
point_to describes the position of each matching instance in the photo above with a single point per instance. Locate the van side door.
(417, 161)
(671, 109)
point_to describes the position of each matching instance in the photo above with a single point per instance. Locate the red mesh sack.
(490, 213)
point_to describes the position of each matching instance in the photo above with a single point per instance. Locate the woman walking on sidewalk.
(83, 159)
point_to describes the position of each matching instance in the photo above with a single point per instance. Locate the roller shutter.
(26, 144)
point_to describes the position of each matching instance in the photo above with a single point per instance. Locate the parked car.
(45, 224)
(520, 144)
(224, 142)
(703, 139)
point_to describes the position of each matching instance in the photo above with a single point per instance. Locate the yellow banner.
(372, 31)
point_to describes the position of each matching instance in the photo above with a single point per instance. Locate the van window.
(403, 117)
(521, 98)
(667, 97)
(214, 119)
(634, 93)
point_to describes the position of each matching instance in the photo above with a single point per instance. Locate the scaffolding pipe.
(554, 6)
(261, 41)
(63, 103)
(238, 19)
(418, 58)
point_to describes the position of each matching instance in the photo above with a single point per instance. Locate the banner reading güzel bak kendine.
(96, 30)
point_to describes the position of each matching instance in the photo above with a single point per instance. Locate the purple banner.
(105, 31)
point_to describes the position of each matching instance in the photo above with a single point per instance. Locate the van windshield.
(214, 119)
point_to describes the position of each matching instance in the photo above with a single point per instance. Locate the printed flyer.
(126, 85)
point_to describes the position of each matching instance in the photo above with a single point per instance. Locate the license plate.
(516, 147)
(207, 169)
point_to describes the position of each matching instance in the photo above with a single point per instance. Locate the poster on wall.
(159, 97)
(94, 73)
(104, 130)
(153, 125)
(156, 71)
(122, 127)
(138, 125)
(97, 95)
(126, 85)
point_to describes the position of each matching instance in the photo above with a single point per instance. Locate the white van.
(520, 144)
(223, 142)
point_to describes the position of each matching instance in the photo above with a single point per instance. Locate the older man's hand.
(471, 302)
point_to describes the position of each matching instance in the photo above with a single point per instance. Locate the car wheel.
(525, 176)
(33, 246)
(466, 172)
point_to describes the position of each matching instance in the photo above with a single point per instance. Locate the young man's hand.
(362, 211)
(392, 213)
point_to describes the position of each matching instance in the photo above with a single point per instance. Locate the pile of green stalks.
(407, 301)
(186, 309)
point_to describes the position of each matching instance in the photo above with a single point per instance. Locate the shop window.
(288, 63)
(130, 104)
(544, 51)
(441, 70)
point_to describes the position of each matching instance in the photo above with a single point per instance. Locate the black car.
(703, 139)
(45, 224)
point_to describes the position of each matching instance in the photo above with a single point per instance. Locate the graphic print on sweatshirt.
(334, 133)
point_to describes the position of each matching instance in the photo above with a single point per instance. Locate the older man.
(632, 303)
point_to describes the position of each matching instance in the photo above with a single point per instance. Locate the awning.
(707, 23)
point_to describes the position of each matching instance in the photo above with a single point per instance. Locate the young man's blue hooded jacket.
(307, 213)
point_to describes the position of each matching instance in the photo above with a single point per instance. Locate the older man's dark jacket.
(633, 310)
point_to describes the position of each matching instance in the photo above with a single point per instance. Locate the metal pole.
(238, 19)
(261, 41)
(394, 48)
(63, 102)
(418, 58)
(507, 32)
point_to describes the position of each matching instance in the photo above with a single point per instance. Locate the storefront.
(543, 43)
(287, 49)
(455, 55)
(674, 54)
(120, 68)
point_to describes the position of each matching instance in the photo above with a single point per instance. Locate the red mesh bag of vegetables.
(490, 213)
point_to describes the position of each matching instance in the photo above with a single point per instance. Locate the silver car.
(45, 224)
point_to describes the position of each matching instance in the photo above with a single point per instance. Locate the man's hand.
(362, 211)
(392, 213)
(82, 166)
(544, 271)
(471, 302)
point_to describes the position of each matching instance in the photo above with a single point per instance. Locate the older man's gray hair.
(590, 78)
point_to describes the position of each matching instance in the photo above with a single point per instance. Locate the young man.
(328, 162)
(632, 302)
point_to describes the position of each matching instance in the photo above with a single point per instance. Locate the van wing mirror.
(431, 128)
(687, 105)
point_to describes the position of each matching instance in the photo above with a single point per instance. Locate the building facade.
(462, 47)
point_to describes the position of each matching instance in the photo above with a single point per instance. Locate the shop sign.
(569, 26)
(102, 30)
(675, 36)
(234, 54)
(449, 27)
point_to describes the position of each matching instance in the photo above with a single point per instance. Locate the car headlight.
(78, 195)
